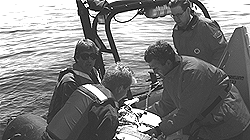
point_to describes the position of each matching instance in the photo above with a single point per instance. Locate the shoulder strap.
(96, 93)
(195, 133)
(209, 109)
(95, 76)
(216, 101)
(98, 96)
(70, 70)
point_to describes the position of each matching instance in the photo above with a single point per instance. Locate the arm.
(60, 96)
(106, 121)
(67, 89)
(215, 39)
(193, 95)
(107, 129)
(164, 106)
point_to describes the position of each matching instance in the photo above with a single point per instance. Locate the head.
(86, 53)
(180, 11)
(160, 57)
(118, 79)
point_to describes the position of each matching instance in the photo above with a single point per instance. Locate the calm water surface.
(37, 39)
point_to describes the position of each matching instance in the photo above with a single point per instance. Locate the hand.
(154, 132)
(151, 132)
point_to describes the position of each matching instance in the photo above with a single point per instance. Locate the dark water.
(37, 39)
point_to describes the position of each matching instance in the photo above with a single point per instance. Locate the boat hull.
(236, 62)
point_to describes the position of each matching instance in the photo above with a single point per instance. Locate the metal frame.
(90, 30)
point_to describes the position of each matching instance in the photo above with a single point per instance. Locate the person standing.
(196, 36)
(195, 93)
(81, 72)
(90, 113)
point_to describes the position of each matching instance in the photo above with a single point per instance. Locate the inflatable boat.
(235, 61)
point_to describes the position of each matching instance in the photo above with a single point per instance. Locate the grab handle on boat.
(15, 136)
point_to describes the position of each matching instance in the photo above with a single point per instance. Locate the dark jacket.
(202, 38)
(89, 114)
(66, 85)
(189, 89)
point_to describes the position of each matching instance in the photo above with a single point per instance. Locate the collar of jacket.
(191, 24)
(171, 73)
(84, 75)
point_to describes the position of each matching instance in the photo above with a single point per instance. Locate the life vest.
(69, 122)
(56, 101)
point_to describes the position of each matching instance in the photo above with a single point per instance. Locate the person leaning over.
(191, 87)
(82, 72)
(91, 111)
(196, 36)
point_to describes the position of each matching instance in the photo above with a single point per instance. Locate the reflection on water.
(38, 39)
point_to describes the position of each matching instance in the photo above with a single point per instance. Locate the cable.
(139, 12)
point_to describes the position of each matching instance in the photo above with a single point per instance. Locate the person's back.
(84, 106)
(82, 72)
(91, 111)
(196, 36)
(197, 98)
(64, 88)
(228, 118)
